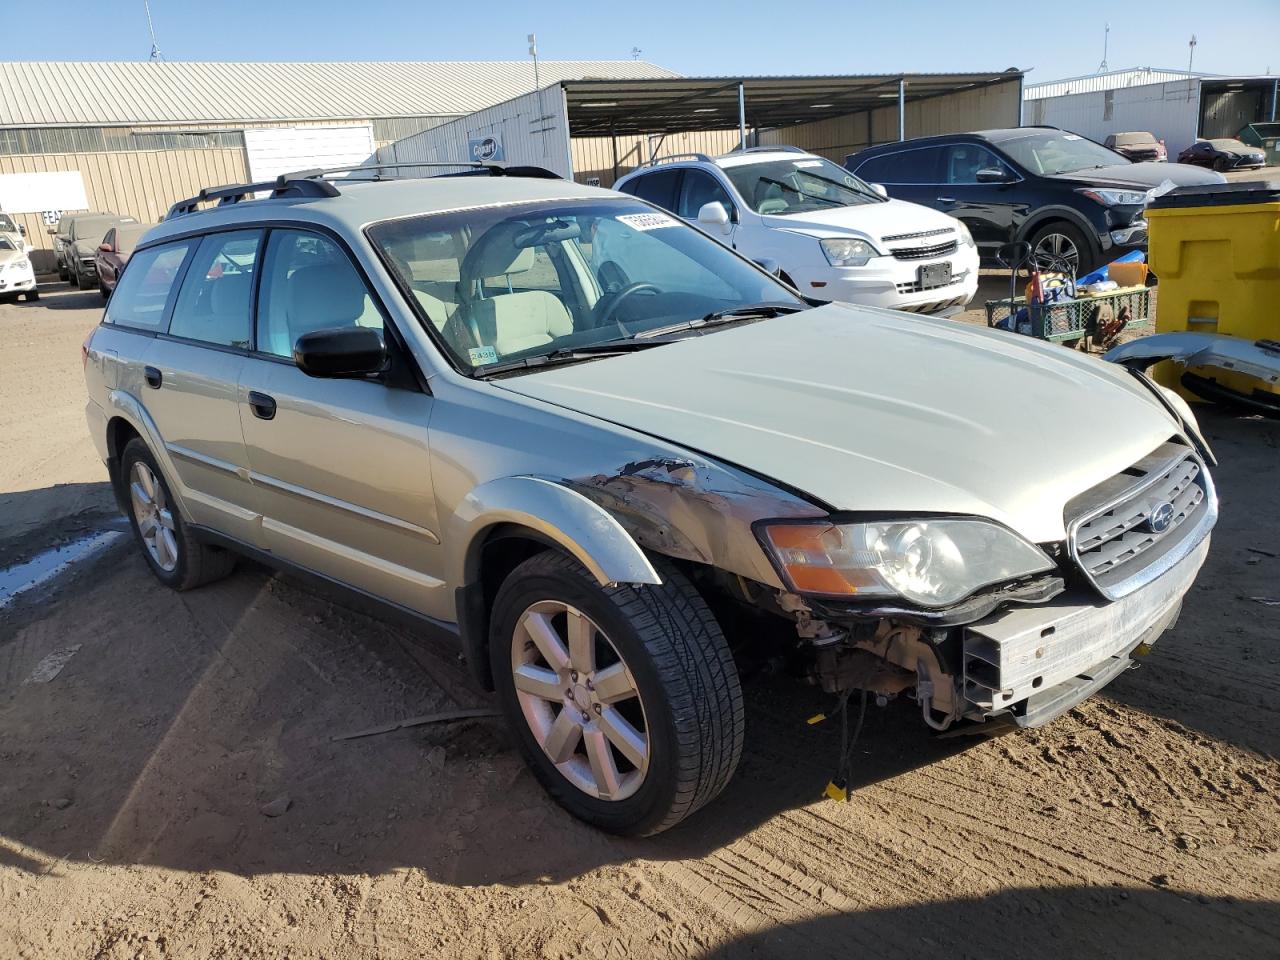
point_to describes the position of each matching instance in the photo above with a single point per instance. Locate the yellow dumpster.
(1216, 252)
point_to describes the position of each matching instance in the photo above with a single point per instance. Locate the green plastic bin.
(1264, 135)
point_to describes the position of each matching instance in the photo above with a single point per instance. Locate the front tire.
(1057, 244)
(174, 555)
(624, 700)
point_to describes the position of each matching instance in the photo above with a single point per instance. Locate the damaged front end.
(1222, 368)
(1039, 628)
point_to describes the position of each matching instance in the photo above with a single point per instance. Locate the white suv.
(829, 234)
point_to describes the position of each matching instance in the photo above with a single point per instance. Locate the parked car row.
(76, 241)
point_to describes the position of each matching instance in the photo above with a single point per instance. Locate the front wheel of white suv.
(624, 700)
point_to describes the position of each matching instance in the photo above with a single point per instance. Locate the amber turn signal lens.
(805, 553)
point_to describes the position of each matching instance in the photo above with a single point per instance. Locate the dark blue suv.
(1071, 198)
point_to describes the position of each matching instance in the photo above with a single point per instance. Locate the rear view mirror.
(879, 188)
(991, 175)
(106, 248)
(714, 216)
(769, 266)
(341, 352)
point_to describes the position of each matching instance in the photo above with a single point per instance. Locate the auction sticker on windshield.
(479, 355)
(646, 221)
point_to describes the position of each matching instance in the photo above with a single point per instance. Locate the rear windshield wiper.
(729, 315)
(587, 351)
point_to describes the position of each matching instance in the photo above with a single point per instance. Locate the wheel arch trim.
(124, 406)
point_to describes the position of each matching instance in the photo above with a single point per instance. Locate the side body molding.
(563, 516)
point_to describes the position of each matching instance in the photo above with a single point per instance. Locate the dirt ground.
(1145, 823)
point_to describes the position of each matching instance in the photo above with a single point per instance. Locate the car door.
(190, 374)
(988, 209)
(340, 467)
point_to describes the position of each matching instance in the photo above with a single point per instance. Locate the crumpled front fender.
(1260, 358)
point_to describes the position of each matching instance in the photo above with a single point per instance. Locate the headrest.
(495, 254)
(326, 295)
(229, 295)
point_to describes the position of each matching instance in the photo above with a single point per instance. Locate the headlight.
(966, 237)
(1114, 198)
(848, 251)
(21, 264)
(929, 562)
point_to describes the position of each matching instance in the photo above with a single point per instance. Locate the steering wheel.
(608, 305)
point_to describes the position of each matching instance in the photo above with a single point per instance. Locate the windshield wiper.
(587, 351)
(728, 315)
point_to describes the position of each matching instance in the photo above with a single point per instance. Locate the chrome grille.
(918, 234)
(924, 253)
(1128, 529)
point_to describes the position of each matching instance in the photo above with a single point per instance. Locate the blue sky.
(692, 37)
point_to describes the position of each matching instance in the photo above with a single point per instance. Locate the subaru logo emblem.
(1160, 518)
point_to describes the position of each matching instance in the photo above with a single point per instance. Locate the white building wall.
(1170, 111)
(1114, 80)
(533, 130)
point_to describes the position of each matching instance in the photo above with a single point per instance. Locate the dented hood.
(871, 410)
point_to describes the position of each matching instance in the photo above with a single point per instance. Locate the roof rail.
(285, 185)
(314, 183)
(677, 156)
(780, 148)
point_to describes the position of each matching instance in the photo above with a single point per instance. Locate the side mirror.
(769, 266)
(341, 352)
(106, 248)
(714, 215)
(879, 188)
(51, 231)
(991, 175)
(22, 229)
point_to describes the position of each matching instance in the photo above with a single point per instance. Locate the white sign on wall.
(276, 150)
(38, 192)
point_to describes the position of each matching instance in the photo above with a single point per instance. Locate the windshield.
(525, 280)
(1228, 145)
(1055, 152)
(128, 235)
(6, 224)
(92, 228)
(798, 185)
(6, 244)
(1134, 139)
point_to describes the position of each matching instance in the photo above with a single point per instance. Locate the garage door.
(276, 150)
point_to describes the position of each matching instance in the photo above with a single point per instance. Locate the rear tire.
(174, 555)
(32, 295)
(106, 294)
(682, 687)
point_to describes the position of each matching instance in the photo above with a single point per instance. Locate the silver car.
(613, 459)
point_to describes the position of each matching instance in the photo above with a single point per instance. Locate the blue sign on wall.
(486, 150)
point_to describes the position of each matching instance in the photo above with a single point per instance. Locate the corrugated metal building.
(1174, 105)
(144, 134)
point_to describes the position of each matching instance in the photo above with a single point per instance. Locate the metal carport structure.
(590, 128)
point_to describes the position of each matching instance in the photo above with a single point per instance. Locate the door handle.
(946, 199)
(264, 407)
(153, 377)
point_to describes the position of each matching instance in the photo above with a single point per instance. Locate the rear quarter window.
(142, 295)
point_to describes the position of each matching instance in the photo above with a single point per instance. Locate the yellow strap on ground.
(836, 792)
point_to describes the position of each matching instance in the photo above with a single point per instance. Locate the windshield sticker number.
(1071, 136)
(808, 163)
(646, 221)
(482, 355)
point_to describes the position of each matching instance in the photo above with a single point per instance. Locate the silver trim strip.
(351, 554)
(195, 456)
(346, 505)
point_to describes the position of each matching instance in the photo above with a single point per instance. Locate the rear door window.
(214, 303)
(658, 187)
(920, 165)
(146, 286)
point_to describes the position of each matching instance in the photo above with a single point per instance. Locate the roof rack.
(315, 183)
(677, 156)
(285, 185)
(780, 148)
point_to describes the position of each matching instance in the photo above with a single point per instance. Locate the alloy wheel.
(580, 700)
(154, 516)
(1057, 252)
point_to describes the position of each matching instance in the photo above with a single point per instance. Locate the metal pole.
(902, 109)
(614, 137)
(742, 116)
(1275, 95)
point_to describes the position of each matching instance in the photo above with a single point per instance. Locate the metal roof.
(1111, 80)
(107, 93)
(706, 103)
